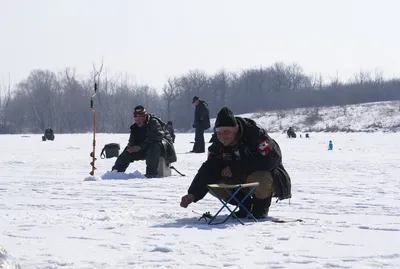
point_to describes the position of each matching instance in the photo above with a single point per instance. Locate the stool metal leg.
(240, 203)
(251, 189)
(232, 196)
(224, 205)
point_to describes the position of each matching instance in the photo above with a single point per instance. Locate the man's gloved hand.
(193, 125)
(134, 149)
(187, 200)
(226, 172)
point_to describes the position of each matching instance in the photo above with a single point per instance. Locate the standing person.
(330, 145)
(201, 123)
(290, 133)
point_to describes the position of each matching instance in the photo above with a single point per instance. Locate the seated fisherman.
(148, 141)
(49, 134)
(244, 153)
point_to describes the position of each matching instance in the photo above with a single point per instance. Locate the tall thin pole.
(96, 83)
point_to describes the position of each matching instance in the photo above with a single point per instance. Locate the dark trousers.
(199, 144)
(49, 136)
(151, 155)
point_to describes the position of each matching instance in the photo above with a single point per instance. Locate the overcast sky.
(152, 40)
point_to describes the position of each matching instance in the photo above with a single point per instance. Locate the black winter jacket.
(202, 116)
(255, 151)
(154, 131)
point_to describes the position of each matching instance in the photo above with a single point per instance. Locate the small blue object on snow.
(330, 146)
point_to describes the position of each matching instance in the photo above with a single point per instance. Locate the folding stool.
(232, 191)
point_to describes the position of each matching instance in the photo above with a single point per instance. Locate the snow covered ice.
(50, 217)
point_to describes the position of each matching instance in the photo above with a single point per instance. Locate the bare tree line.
(61, 101)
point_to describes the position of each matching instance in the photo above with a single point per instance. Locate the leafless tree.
(170, 91)
(61, 101)
(5, 98)
(362, 77)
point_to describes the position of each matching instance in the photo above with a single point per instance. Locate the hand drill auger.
(96, 79)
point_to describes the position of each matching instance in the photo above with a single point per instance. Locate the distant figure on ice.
(148, 141)
(170, 129)
(307, 135)
(330, 145)
(201, 123)
(290, 133)
(48, 134)
(244, 153)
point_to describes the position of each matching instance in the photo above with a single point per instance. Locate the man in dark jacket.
(290, 133)
(148, 141)
(201, 123)
(244, 153)
(48, 134)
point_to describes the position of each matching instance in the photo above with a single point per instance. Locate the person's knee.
(126, 157)
(124, 154)
(266, 181)
(125, 151)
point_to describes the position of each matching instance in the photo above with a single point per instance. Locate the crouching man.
(148, 141)
(243, 153)
(48, 134)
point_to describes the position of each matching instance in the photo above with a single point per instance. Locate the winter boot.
(261, 207)
(153, 175)
(248, 203)
(242, 213)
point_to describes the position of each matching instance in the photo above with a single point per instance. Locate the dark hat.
(226, 118)
(139, 111)
(195, 99)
